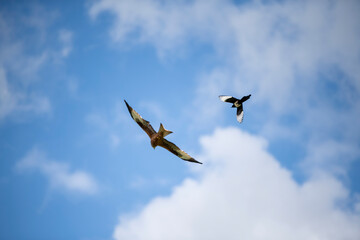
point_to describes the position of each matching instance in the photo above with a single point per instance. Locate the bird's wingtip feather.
(128, 106)
(195, 161)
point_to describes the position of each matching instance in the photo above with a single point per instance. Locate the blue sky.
(74, 165)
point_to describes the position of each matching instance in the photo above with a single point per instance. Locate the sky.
(74, 165)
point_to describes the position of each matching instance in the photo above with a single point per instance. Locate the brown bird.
(157, 138)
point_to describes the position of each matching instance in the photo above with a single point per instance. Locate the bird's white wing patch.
(224, 98)
(240, 116)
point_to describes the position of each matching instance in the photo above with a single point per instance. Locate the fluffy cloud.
(58, 174)
(243, 192)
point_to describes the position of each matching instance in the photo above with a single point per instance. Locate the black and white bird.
(238, 103)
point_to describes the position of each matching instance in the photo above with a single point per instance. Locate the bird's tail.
(163, 131)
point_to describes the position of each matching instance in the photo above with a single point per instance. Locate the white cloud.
(58, 174)
(243, 192)
(146, 16)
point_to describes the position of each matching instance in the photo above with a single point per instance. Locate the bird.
(158, 138)
(238, 103)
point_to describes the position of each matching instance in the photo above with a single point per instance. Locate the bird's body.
(158, 138)
(237, 103)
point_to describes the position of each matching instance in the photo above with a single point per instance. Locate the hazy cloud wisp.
(58, 174)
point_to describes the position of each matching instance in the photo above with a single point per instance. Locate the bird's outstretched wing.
(229, 99)
(145, 125)
(240, 114)
(177, 151)
(244, 98)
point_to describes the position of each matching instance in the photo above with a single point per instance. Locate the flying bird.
(238, 103)
(157, 138)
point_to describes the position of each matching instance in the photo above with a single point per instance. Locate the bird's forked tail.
(163, 131)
